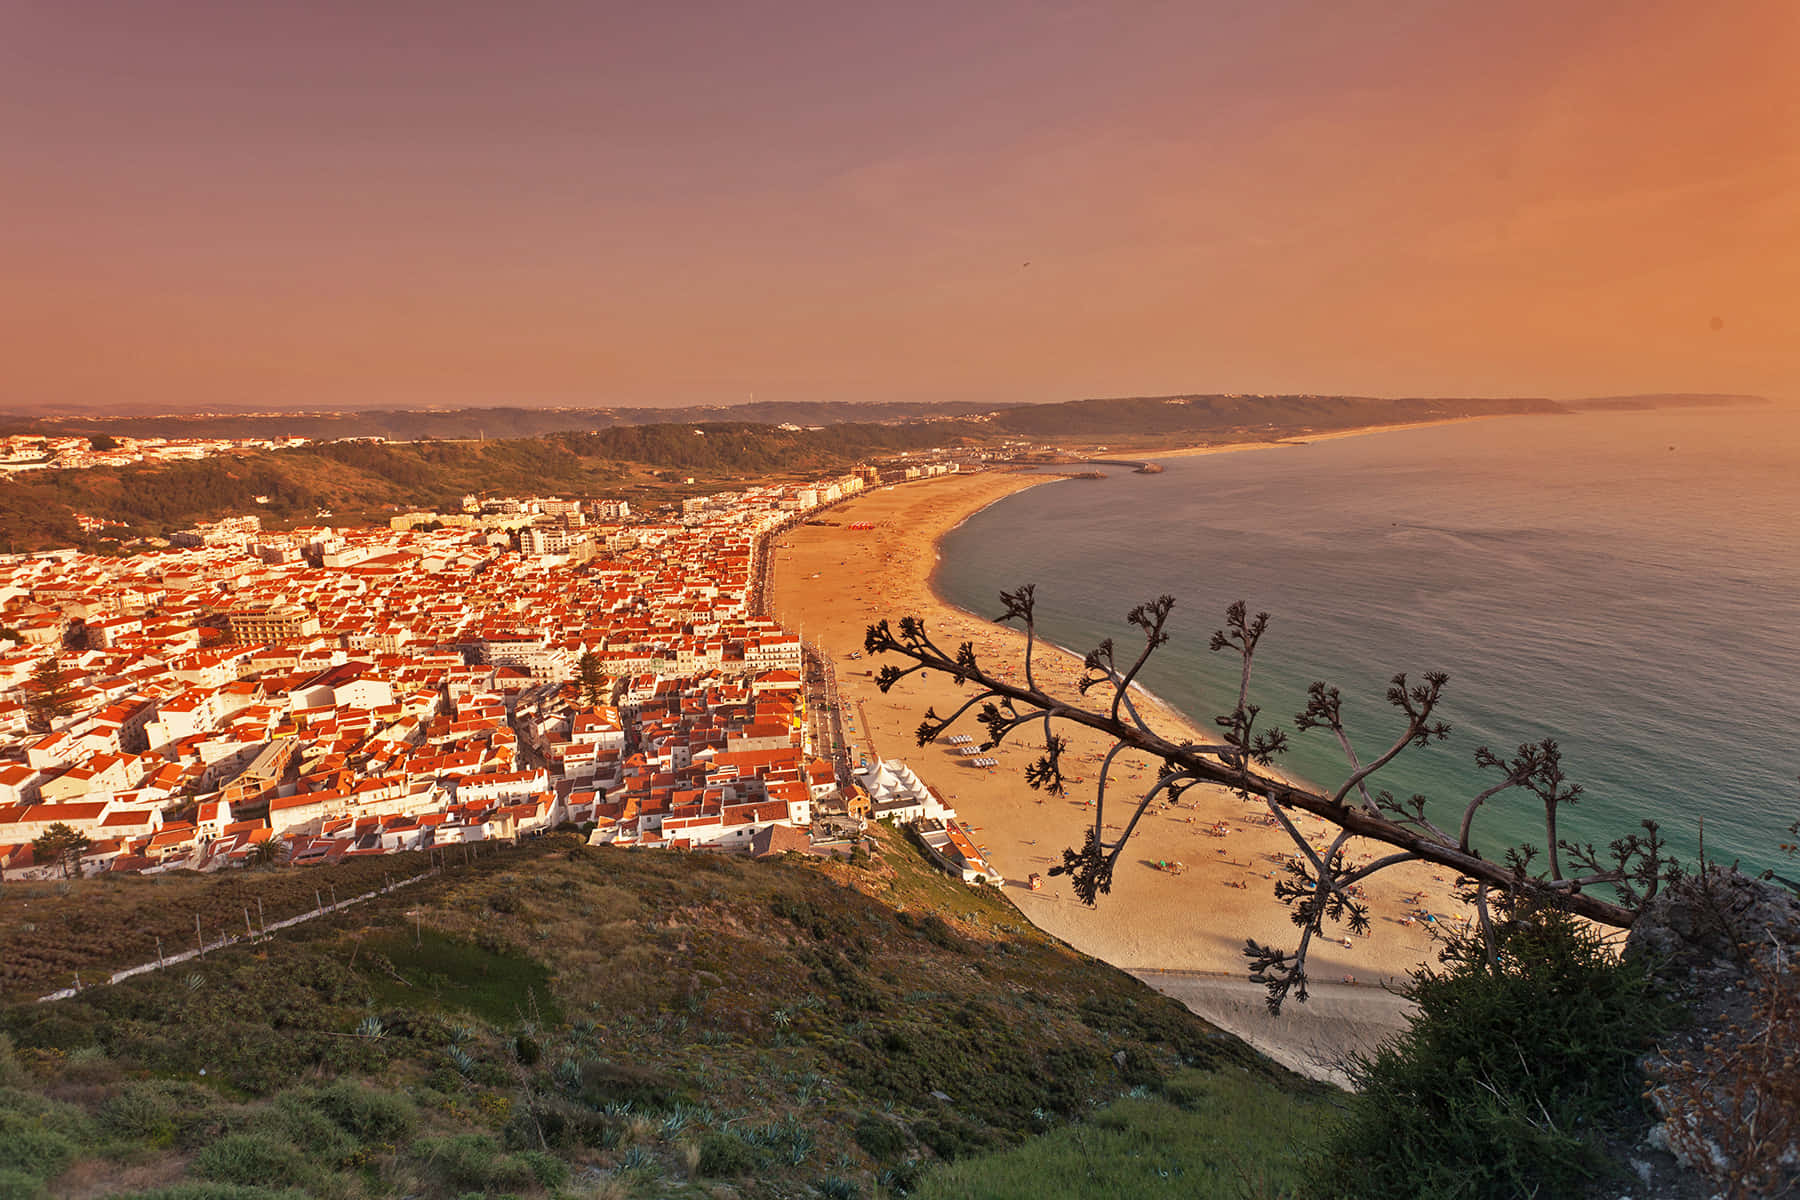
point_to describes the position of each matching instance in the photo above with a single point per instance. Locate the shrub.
(1507, 1079)
(254, 1159)
(607, 1082)
(722, 1156)
(38, 1137)
(879, 1137)
(17, 1185)
(364, 1113)
(164, 1113)
(560, 1124)
(291, 1119)
(476, 1162)
(11, 1073)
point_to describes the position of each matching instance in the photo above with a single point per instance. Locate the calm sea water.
(1628, 583)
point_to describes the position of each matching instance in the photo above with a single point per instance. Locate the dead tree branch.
(1319, 887)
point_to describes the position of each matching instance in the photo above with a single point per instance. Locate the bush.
(291, 1119)
(368, 1115)
(560, 1124)
(1507, 1080)
(476, 1162)
(879, 1137)
(11, 1073)
(38, 1138)
(723, 1156)
(17, 1185)
(255, 1159)
(164, 1113)
(604, 1082)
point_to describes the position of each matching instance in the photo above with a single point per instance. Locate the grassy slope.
(556, 1017)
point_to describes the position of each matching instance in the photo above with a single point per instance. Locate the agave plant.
(370, 1027)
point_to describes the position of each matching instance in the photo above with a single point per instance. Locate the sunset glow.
(338, 204)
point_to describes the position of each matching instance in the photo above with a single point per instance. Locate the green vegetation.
(443, 974)
(48, 696)
(1510, 1080)
(51, 933)
(60, 844)
(1203, 1134)
(557, 1018)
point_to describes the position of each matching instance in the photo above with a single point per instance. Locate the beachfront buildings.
(349, 692)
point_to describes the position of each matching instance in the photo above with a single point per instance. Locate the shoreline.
(1183, 932)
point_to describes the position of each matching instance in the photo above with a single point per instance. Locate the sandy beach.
(1181, 932)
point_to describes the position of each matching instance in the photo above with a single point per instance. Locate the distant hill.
(1138, 414)
(1663, 400)
(364, 480)
(470, 423)
(1243, 415)
(359, 480)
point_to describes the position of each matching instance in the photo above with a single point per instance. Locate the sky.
(429, 203)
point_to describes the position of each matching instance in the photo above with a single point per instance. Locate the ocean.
(1625, 582)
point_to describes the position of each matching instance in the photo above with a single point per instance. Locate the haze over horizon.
(549, 203)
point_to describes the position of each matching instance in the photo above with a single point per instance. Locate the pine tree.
(59, 843)
(47, 695)
(592, 679)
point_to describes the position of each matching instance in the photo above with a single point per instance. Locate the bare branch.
(1320, 888)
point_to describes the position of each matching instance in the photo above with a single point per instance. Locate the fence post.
(260, 919)
(199, 938)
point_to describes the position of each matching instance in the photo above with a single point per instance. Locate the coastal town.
(22, 452)
(248, 696)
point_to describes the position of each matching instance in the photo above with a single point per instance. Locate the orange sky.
(454, 203)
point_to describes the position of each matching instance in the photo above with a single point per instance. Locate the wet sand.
(1190, 925)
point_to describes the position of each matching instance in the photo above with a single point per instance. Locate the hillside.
(366, 481)
(1242, 418)
(1191, 412)
(360, 481)
(469, 423)
(558, 1017)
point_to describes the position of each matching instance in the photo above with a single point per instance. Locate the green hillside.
(556, 1019)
